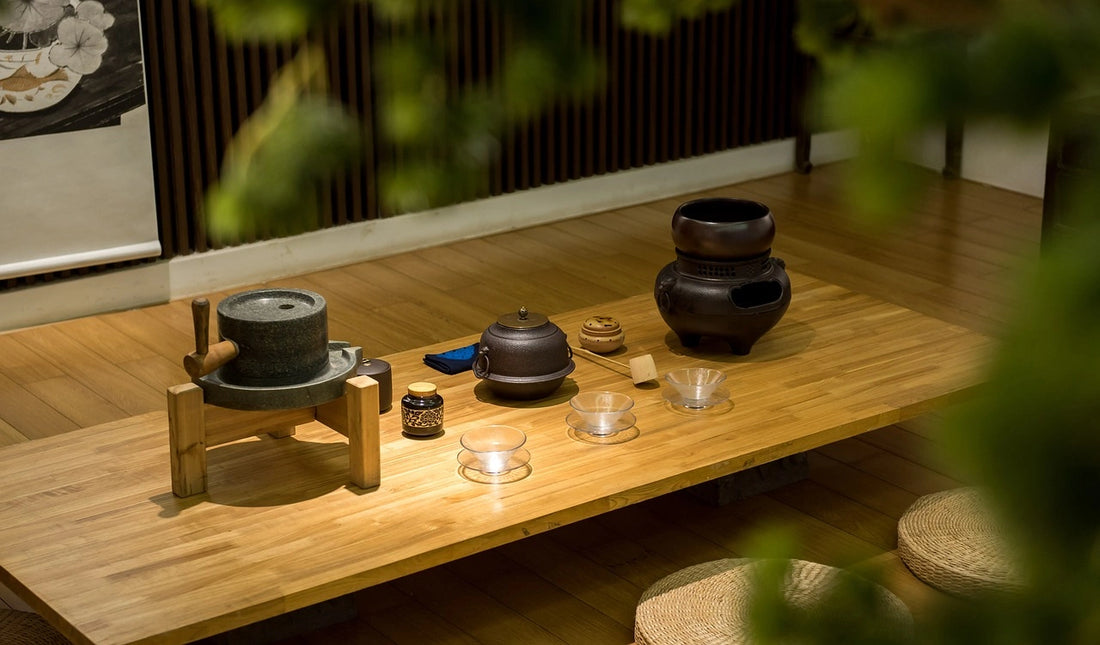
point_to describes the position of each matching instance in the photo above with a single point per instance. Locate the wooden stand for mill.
(194, 425)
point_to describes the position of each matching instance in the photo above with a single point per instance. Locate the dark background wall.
(727, 80)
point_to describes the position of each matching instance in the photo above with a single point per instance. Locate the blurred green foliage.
(850, 610)
(447, 136)
(1033, 440)
(890, 70)
(282, 155)
(444, 136)
(270, 19)
(658, 16)
(894, 69)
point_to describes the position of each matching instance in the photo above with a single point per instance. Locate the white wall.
(186, 276)
(993, 153)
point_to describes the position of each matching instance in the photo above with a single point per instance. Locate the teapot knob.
(523, 313)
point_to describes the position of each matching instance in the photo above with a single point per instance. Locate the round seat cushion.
(708, 604)
(951, 541)
(26, 628)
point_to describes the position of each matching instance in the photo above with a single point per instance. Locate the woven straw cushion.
(951, 541)
(25, 628)
(707, 604)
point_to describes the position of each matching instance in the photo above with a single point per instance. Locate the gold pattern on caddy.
(422, 421)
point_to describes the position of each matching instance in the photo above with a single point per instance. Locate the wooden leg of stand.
(279, 433)
(187, 438)
(361, 394)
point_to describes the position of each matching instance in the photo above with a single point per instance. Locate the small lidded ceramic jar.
(380, 371)
(601, 334)
(422, 410)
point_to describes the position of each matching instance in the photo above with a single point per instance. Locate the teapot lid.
(522, 319)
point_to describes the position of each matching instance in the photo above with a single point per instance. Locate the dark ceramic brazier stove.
(724, 282)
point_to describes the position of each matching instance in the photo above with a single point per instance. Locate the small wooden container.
(601, 334)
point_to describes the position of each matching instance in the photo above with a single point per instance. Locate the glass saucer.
(626, 421)
(478, 477)
(621, 436)
(719, 397)
(518, 460)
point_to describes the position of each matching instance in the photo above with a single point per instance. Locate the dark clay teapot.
(523, 356)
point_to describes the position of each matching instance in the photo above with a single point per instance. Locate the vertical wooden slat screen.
(727, 80)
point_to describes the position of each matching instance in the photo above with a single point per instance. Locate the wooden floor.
(952, 259)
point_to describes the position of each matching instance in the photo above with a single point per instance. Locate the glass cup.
(493, 446)
(695, 385)
(601, 412)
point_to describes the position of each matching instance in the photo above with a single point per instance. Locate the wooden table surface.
(92, 537)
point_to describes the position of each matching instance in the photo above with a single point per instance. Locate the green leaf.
(273, 191)
(269, 19)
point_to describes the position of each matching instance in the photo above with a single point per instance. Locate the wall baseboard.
(249, 264)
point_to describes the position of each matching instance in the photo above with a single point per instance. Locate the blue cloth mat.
(453, 361)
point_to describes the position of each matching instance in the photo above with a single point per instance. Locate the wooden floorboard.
(953, 256)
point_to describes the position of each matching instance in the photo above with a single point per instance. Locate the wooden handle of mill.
(200, 314)
(206, 358)
(217, 355)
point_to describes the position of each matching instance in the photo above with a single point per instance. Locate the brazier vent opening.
(755, 294)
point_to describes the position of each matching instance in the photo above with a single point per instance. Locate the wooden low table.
(93, 538)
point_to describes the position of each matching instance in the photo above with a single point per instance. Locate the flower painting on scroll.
(67, 64)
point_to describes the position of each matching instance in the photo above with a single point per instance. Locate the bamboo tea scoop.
(642, 368)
